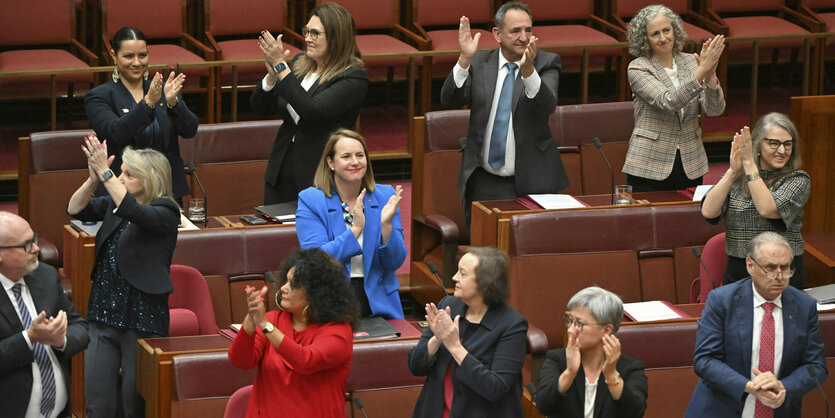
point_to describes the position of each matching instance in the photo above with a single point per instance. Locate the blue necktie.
(498, 139)
(42, 357)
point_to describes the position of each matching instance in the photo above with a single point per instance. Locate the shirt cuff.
(28, 341)
(265, 86)
(532, 84)
(460, 74)
(62, 347)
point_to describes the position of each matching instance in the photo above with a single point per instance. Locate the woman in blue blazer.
(356, 221)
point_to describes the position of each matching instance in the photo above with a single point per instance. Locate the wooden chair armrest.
(208, 53)
(87, 55)
(806, 22)
(712, 26)
(425, 43)
(442, 224)
(417, 39)
(213, 44)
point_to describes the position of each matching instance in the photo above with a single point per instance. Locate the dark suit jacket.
(15, 355)
(147, 245)
(539, 168)
(488, 383)
(323, 109)
(722, 357)
(116, 117)
(320, 223)
(632, 402)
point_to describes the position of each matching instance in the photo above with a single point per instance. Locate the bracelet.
(753, 176)
(175, 104)
(617, 380)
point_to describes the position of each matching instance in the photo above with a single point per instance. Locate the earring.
(145, 76)
(115, 75)
(304, 312)
(278, 302)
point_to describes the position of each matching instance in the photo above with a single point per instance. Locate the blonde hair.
(323, 179)
(340, 37)
(154, 170)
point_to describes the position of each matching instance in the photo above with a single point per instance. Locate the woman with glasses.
(473, 351)
(669, 89)
(130, 279)
(302, 351)
(763, 190)
(590, 376)
(315, 93)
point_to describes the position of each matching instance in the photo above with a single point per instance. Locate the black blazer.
(488, 383)
(632, 402)
(539, 168)
(322, 109)
(116, 117)
(147, 245)
(15, 355)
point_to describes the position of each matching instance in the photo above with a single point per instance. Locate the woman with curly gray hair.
(669, 89)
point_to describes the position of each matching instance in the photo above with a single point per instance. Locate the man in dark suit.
(40, 330)
(756, 339)
(509, 150)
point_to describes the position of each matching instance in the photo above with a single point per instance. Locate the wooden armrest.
(88, 56)
(537, 340)
(213, 43)
(417, 39)
(712, 26)
(607, 27)
(425, 43)
(802, 20)
(444, 225)
(208, 53)
(294, 36)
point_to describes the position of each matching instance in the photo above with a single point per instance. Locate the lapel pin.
(125, 110)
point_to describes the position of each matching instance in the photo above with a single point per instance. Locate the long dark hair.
(325, 284)
(341, 38)
(126, 33)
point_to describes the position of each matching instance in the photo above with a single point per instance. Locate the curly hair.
(637, 32)
(323, 280)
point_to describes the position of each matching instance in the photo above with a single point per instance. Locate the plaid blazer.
(660, 125)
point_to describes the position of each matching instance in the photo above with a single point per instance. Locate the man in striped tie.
(40, 329)
(758, 338)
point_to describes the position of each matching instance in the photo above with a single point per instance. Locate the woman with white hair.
(590, 377)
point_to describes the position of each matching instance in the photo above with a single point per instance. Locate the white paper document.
(650, 311)
(700, 192)
(556, 201)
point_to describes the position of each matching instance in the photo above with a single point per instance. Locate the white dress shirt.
(33, 410)
(532, 85)
(759, 312)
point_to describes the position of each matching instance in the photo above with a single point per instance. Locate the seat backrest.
(191, 292)
(372, 14)
(660, 345)
(820, 4)
(230, 17)
(546, 10)
(445, 12)
(236, 408)
(626, 9)
(207, 375)
(157, 19)
(43, 23)
(716, 260)
(734, 6)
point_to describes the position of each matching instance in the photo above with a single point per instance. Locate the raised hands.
(273, 50)
(96, 153)
(708, 59)
(48, 331)
(173, 87)
(155, 91)
(611, 348)
(572, 351)
(255, 305)
(443, 326)
(741, 150)
(357, 210)
(388, 211)
(467, 43)
(527, 59)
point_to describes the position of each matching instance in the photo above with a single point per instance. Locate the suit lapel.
(8, 311)
(38, 293)
(790, 326)
(371, 230)
(744, 314)
(336, 219)
(491, 73)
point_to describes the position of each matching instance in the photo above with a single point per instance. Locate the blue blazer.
(320, 224)
(722, 356)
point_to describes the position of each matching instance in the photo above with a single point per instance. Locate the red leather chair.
(824, 12)
(163, 21)
(701, 28)
(232, 30)
(236, 408)
(715, 259)
(41, 36)
(190, 304)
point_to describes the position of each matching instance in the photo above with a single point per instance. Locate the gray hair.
(769, 237)
(513, 5)
(761, 129)
(605, 306)
(637, 32)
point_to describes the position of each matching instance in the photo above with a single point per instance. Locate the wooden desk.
(819, 259)
(154, 362)
(487, 216)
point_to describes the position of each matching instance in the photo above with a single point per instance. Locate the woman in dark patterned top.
(763, 190)
(130, 279)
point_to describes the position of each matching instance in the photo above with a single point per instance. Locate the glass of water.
(623, 194)
(197, 209)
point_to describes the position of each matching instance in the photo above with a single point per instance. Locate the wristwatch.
(753, 176)
(615, 381)
(268, 328)
(106, 175)
(281, 66)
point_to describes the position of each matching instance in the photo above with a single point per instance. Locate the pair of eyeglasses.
(313, 33)
(27, 246)
(775, 144)
(772, 275)
(570, 320)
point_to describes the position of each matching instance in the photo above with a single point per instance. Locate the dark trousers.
(737, 269)
(285, 189)
(358, 284)
(677, 180)
(485, 186)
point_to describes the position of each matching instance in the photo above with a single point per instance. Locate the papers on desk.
(700, 192)
(823, 294)
(655, 310)
(556, 201)
(826, 307)
(186, 224)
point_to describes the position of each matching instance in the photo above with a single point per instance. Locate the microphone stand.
(191, 169)
(599, 146)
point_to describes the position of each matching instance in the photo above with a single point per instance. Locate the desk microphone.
(434, 269)
(270, 278)
(599, 146)
(358, 403)
(811, 369)
(191, 169)
(532, 391)
(698, 255)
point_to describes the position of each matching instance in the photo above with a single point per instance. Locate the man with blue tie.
(509, 150)
(40, 330)
(757, 338)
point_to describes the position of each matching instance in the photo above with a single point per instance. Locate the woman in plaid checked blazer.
(669, 89)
